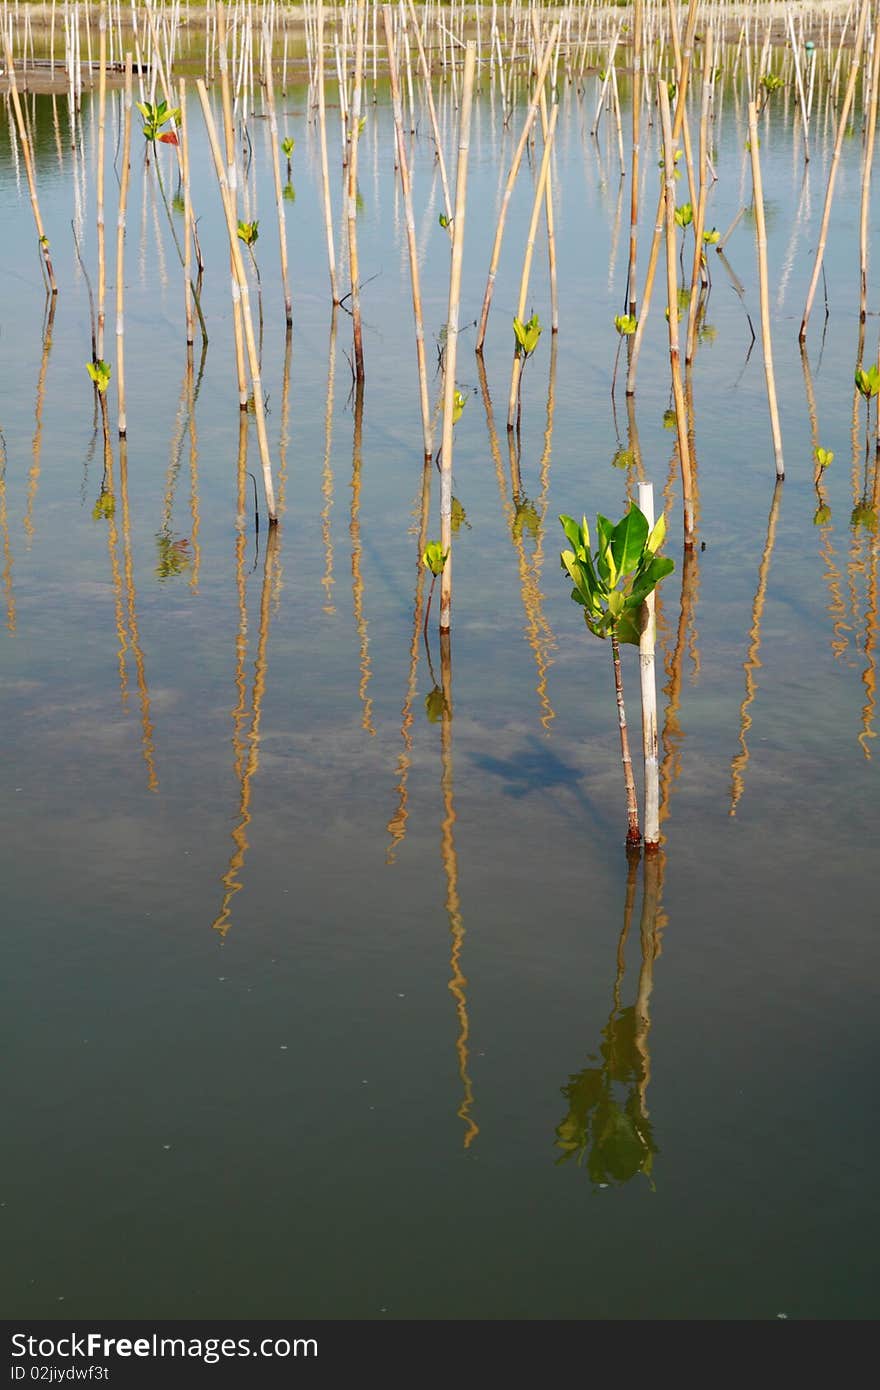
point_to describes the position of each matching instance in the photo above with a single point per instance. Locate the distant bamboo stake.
(700, 218)
(832, 175)
(241, 278)
(684, 452)
(353, 263)
(28, 163)
(866, 179)
(805, 120)
(452, 333)
(276, 172)
(120, 253)
(761, 236)
(99, 181)
(432, 113)
(232, 183)
(187, 216)
(649, 696)
(548, 199)
(511, 179)
(325, 168)
(680, 99)
(410, 230)
(516, 370)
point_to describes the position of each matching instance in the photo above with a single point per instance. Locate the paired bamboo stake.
(232, 183)
(276, 172)
(325, 168)
(866, 179)
(241, 279)
(120, 251)
(354, 136)
(761, 236)
(28, 164)
(511, 179)
(403, 165)
(539, 199)
(649, 695)
(452, 332)
(684, 452)
(832, 175)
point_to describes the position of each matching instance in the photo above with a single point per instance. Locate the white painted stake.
(649, 696)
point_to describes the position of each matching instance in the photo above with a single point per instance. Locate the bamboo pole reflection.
(672, 735)
(7, 545)
(147, 743)
(195, 517)
(173, 556)
(357, 583)
(861, 518)
(33, 482)
(836, 607)
(869, 674)
(239, 712)
(397, 824)
(105, 510)
(457, 981)
(607, 1126)
(752, 662)
(245, 769)
(327, 473)
(284, 439)
(520, 515)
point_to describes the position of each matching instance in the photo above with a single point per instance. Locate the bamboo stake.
(452, 334)
(241, 278)
(511, 179)
(354, 135)
(99, 181)
(325, 169)
(638, 23)
(700, 218)
(516, 369)
(684, 452)
(432, 113)
(232, 183)
(120, 252)
(410, 230)
(649, 695)
(832, 175)
(276, 173)
(28, 164)
(866, 178)
(680, 98)
(761, 236)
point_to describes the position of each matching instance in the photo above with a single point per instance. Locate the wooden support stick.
(761, 237)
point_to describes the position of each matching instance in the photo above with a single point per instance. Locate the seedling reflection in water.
(611, 585)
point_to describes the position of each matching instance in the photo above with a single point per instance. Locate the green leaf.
(435, 705)
(444, 220)
(824, 457)
(434, 557)
(577, 536)
(626, 324)
(658, 534)
(628, 540)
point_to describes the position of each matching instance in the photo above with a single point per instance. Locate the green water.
(267, 1056)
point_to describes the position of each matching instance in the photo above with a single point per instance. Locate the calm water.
(318, 1006)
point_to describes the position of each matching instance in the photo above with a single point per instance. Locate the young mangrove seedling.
(626, 325)
(249, 233)
(434, 559)
(823, 458)
(287, 145)
(684, 217)
(526, 337)
(611, 585)
(100, 373)
(155, 116)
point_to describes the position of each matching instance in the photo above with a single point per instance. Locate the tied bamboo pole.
(120, 251)
(241, 278)
(99, 180)
(761, 237)
(539, 199)
(325, 167)
(684, 452)
(28, 164)
(452, 333)
(649, 696)
(403, 165)
(835, 161)
(276, 172)
(511, 179)
(232, 182)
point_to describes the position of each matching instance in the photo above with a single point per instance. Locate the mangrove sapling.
(249, 232)
(611, 585)
(433, 558)
(868, 386)
(287, 146)
(626, 325)
(525, 337)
